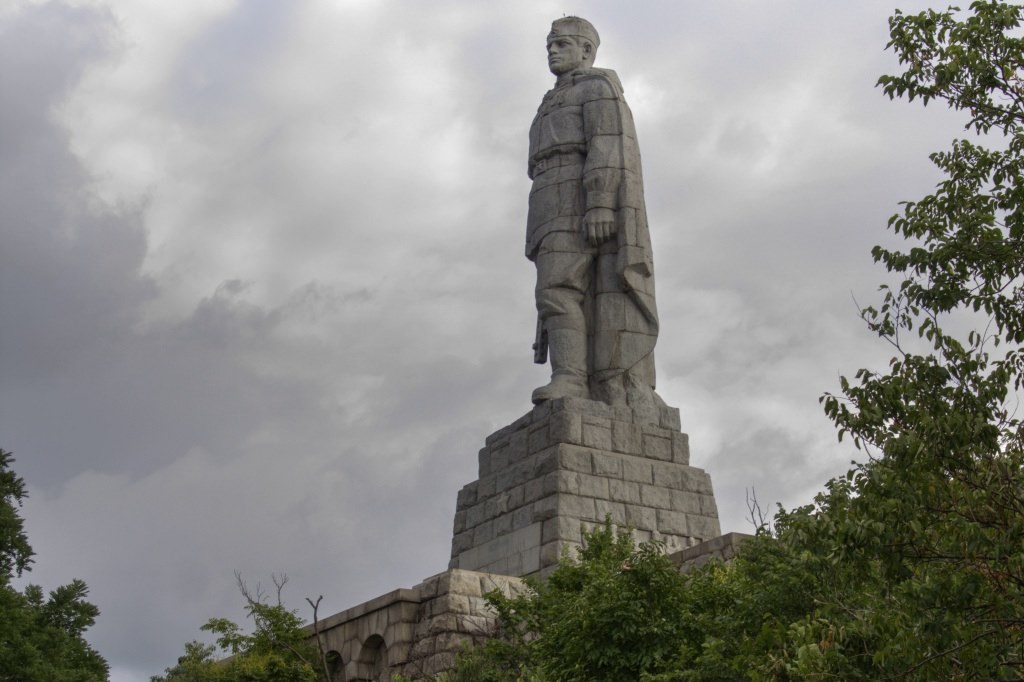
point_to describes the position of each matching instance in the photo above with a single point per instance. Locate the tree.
(41, 637)
(611, 614)
(277, 650)
(937, 512)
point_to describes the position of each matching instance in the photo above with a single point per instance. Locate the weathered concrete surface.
(564, 467)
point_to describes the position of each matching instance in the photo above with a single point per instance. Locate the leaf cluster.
(41, 635)
(278, 649)
(934, 520)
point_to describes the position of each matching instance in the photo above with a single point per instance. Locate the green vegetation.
(40, 636)
(277, 650)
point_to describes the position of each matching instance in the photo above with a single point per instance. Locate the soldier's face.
(566, 54)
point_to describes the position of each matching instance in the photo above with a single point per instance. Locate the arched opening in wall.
(335, 667)
(373, 660)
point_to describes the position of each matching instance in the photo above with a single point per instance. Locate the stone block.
(636, 469)
(551, 552)
(465, 583)
(562, 482)
(499, 459)
(545, 462)
(467, 496)
(475, 515)
(438, 624)
(515, 497)
(483, 459)
(622, 413)
(640, 535)
(576, 506)
(591, 486)
(670, 418)
(627, 438)
(461, 542)
(624, 491)
(483, 533)
(544, 508)
(458, 603)
(672, 522)
(655, 496)
(503, 525)
(486, 487)
(607, 465)
(428, 588)
(507, 478)
(566, 427)
(574, 458)
(522, 517)
(680, 448)
(703, 527)
(708, 506)
(533, 490)
(695, 480)
(641, 518)
(686, 502)
(657, 447)
(560, 528)
(477, 625)
(460, 521)
(538, 439)
(597, 435)
(667, 475)
(616, 511)
(518, 446)
(589, 408)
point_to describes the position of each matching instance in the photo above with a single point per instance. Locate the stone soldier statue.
(587, 232)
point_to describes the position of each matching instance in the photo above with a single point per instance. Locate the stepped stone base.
(555, 473)
(563, 468)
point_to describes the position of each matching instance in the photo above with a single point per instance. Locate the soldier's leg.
(563, 275)
(623, 343)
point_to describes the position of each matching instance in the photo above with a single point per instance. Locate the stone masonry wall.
(454, 615)
(564, 467)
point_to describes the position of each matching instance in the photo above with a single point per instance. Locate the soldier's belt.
(557, 160)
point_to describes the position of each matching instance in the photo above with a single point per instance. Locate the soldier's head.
(572, 44)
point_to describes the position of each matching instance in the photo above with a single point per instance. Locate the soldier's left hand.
(599, 224)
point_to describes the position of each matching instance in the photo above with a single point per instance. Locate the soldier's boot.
(568, 351)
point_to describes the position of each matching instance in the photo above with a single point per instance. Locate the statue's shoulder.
(598, 83)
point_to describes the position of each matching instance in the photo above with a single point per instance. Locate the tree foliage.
(41, 636)
(938, 511)
(277, 650)
(609, 615)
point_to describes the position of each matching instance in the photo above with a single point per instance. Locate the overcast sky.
(262, 285)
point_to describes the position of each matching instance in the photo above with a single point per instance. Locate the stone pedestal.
(564, 467)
